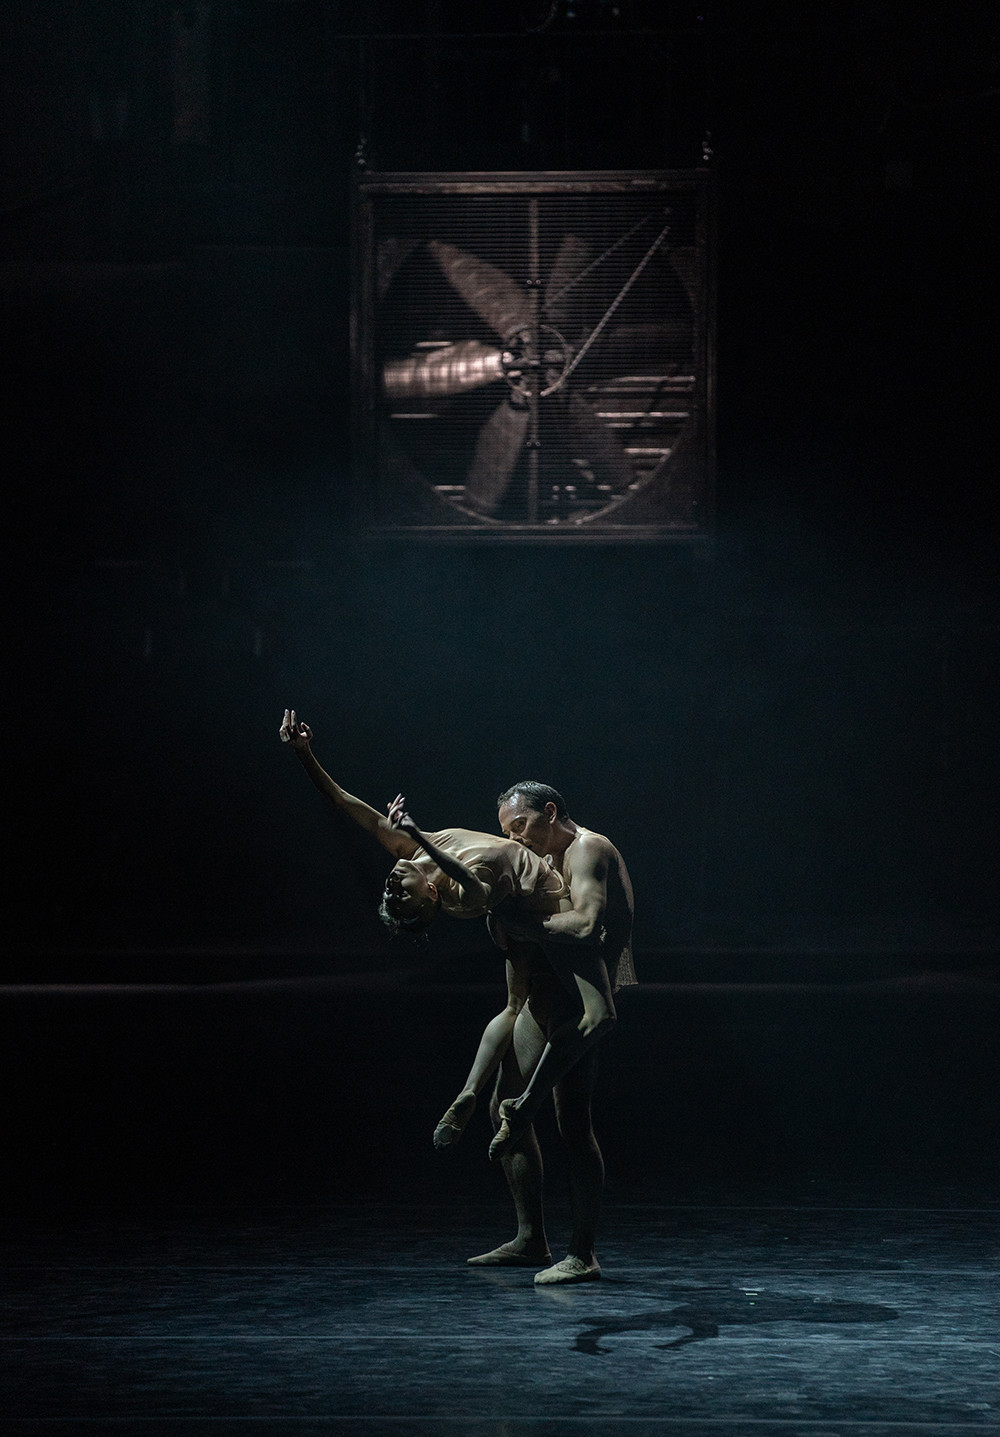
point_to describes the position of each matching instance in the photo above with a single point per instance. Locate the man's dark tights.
(523, 1169)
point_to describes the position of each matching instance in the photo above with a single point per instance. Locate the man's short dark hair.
(536, 796)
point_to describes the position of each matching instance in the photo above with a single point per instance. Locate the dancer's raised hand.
(293, 732)
(398, 816)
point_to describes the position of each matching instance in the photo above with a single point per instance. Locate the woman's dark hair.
(536, 796)
(416, 928)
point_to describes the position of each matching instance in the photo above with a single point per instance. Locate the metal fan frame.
(625, 520)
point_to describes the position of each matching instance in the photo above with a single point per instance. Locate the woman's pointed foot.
(452, 1125)
(510, 1133)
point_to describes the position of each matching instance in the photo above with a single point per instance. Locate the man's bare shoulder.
(590, 839)
(591, 851)
(589, 848)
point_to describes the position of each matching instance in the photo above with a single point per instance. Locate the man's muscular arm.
(474, 891)
(588, 893)
(299, 735)
(582, 920)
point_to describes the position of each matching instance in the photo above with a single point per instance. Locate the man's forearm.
(568, 927)
(572, 927)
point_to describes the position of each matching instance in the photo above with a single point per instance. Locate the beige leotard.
(505, 869)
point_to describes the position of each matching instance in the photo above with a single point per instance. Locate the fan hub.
(521, 355)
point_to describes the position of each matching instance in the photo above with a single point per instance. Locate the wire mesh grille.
(534, 361)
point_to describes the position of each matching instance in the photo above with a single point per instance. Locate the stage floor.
(826, 1308)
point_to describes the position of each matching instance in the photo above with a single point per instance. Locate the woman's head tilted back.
(410, 901)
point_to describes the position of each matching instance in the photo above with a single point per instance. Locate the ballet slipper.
(508, 1254)
(452, 1125)
(571, 1269)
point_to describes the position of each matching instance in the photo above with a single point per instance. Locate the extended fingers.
(291, 729)
(397, 810)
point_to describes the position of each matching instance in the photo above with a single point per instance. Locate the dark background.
(789, 732)
(791, 738)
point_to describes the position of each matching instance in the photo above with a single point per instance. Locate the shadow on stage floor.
(805, 1318)
(225, 1215)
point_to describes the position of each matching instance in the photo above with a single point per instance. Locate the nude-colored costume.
(505, 869)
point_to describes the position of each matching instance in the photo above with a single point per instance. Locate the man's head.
(410, 902)
(534, 814)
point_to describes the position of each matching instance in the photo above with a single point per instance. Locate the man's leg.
(583, 973)
(585, 1166)
(523, 1168)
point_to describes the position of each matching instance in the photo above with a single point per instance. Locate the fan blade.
(392, 255)
(494, 296)
(563, 304)
(497, 451)
(437, 373)
(591, 440)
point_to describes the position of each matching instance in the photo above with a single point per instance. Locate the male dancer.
(565, 968)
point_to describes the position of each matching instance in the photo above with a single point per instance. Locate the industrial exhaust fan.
(532, 355)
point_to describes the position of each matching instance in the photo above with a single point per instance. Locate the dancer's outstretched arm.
(299, 735)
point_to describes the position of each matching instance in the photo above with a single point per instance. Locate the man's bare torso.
(616, 938)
